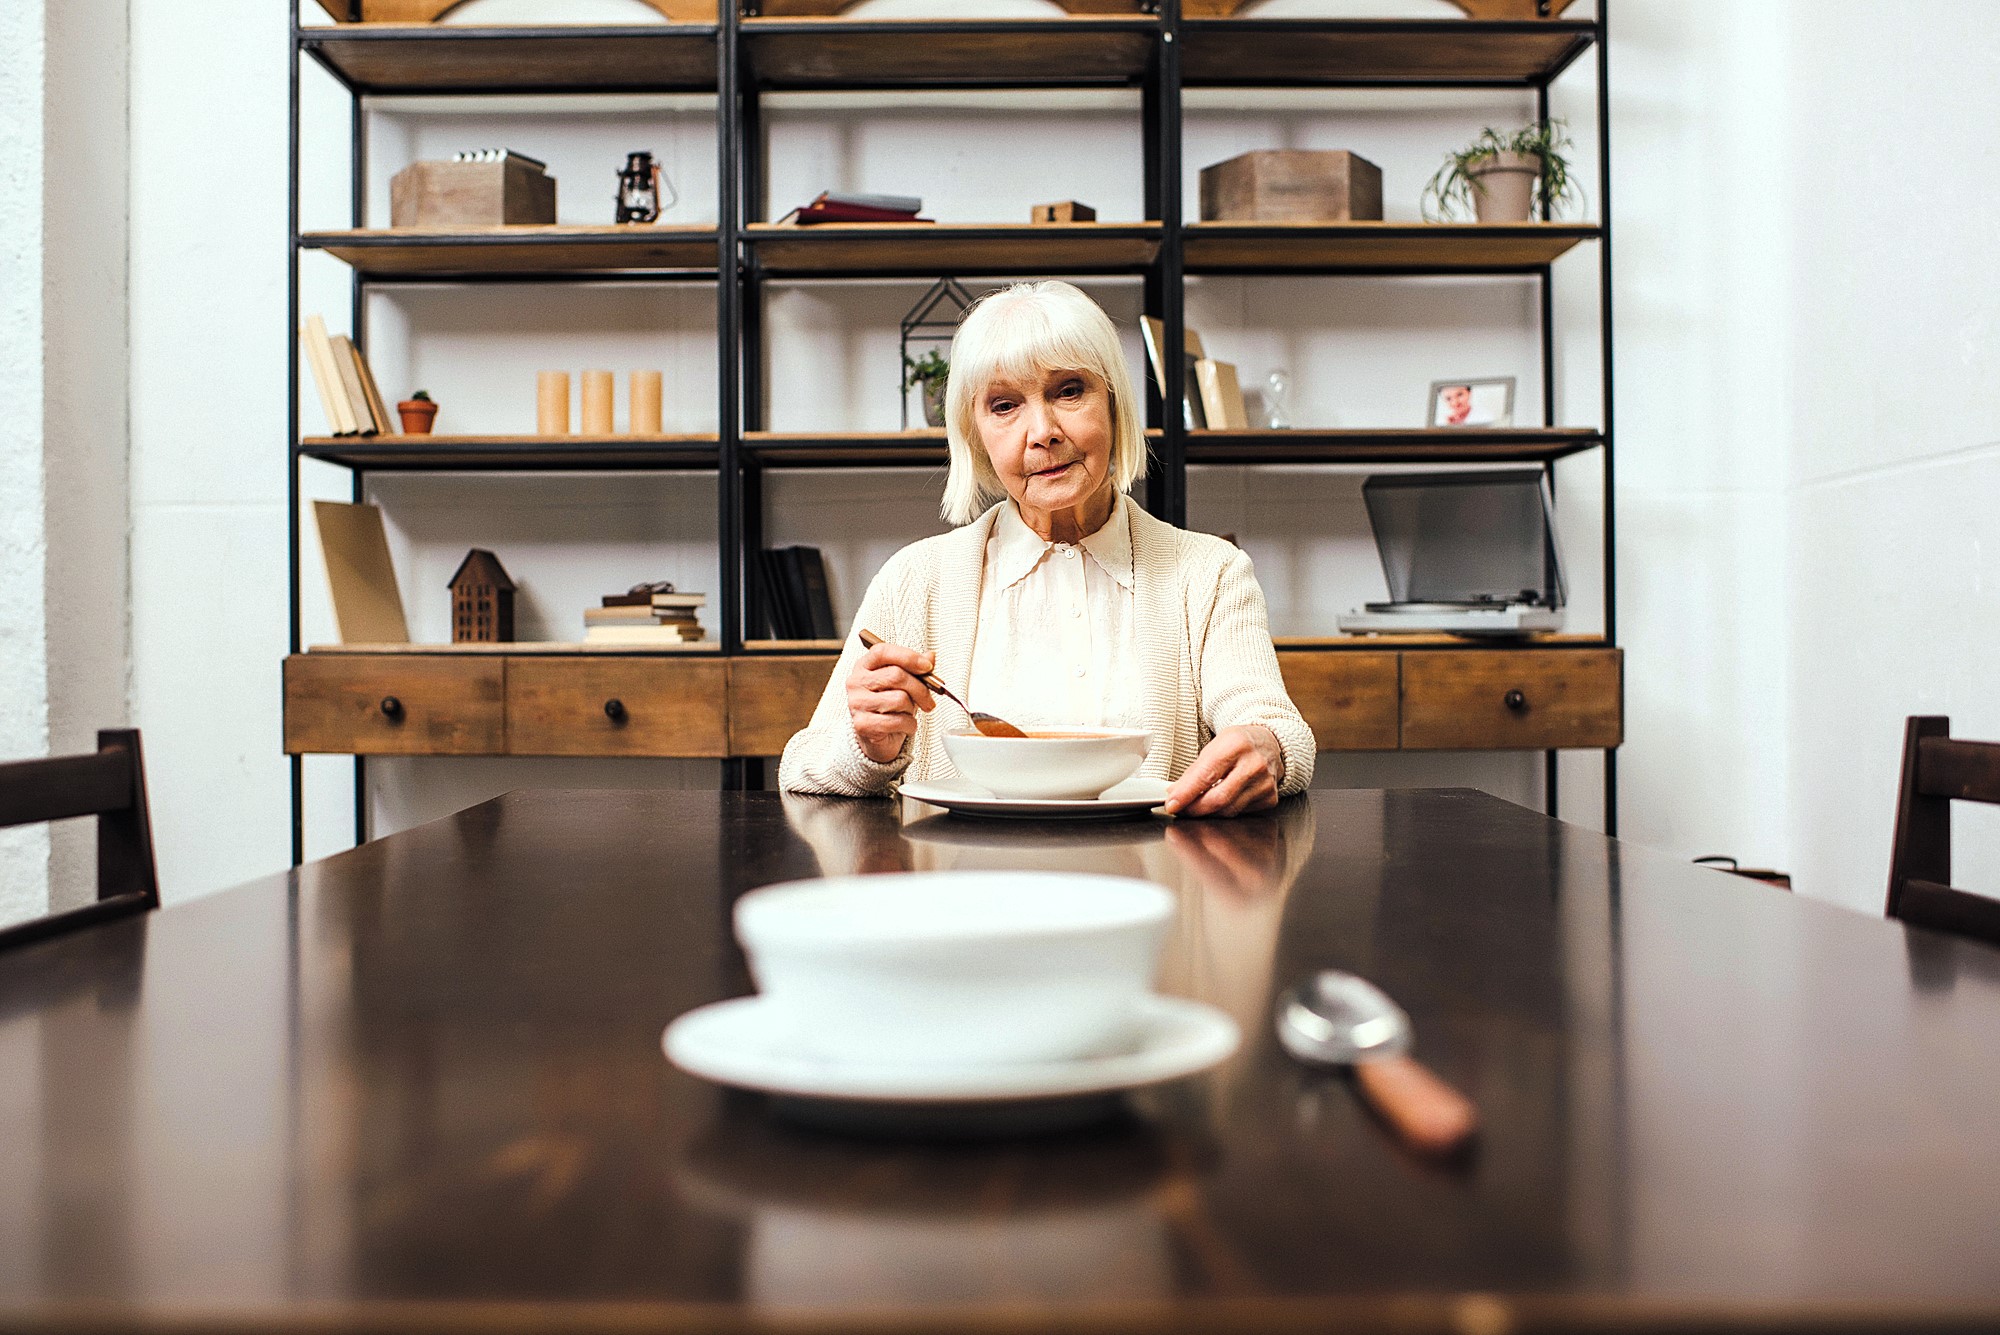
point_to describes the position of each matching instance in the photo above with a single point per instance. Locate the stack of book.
(831, 207)
(790, 584)
(645, 618)
(347, 390)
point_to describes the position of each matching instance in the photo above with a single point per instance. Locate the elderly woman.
(1057, 601)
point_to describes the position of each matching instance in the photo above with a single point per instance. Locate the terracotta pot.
(1503, 188)
(417, 415)
(934, 402)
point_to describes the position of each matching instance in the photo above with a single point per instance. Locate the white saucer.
(1134, 797)
(736, 1043)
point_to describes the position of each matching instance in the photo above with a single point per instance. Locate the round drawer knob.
(614, 709)
(1516, 701)
(392, 708)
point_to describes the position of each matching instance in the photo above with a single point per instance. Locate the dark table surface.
(419, 1086)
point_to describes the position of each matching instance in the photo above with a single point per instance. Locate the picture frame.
(1470, 404)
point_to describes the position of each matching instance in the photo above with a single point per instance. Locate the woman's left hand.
(1238, 771)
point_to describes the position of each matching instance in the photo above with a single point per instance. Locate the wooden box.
(471, 194)
(1292, 185)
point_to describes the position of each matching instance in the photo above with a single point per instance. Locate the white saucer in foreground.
(736, 1043)
(1134, 797)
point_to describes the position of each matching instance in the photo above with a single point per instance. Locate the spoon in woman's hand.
(986, 723)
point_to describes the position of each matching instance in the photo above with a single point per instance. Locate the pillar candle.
(552, 403)
(646, 403)
(597, 403)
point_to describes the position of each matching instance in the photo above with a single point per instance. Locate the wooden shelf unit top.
(1378, 247)
(415, 252)
(1363, 52)
(434, 58)
(955, 248)
(1437, 445)
(431, 453)
(860, 53)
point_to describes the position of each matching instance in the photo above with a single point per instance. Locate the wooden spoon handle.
(930, 679)
(1430, 1116)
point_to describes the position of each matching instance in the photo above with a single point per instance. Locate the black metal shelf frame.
(1177, 57)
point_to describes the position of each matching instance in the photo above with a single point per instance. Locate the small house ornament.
(482, 600)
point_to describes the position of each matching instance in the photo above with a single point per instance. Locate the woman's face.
(1049, 439)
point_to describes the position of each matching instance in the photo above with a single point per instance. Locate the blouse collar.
(1020, 549)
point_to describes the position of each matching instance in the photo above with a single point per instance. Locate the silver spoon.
(991, 725)
(1333, 1018)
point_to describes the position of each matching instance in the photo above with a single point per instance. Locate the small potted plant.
(931, 371)
(417, 412)
(1504, 177)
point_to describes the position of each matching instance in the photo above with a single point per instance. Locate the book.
(367, 605)
(642, 635)
(818, 599)
(383, 422)
(1154, 333)
(659, 601)
(1221, 395)
(890, 203)
(340, 420)
(778, 605)
(507, 155)
(826, 208)
(349, 366)
(618, 616)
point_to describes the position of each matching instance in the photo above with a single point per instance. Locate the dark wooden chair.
(110, 785)
(1937, 771)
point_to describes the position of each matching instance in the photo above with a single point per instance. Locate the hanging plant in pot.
(1502, 178)
(931, 371)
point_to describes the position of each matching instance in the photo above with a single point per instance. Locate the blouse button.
(1079, 672)
(1069, 552)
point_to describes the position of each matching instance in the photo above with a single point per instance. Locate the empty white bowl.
(955, 968)
(1049, 764)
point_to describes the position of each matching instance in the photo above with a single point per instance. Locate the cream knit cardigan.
(1205, 649)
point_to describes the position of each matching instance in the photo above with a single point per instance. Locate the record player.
(1463, 554)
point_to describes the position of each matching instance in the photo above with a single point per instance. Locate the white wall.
(1798, 367)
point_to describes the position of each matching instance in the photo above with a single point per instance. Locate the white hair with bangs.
(1022, 333)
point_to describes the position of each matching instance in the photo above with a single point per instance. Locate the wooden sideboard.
(1357, 695)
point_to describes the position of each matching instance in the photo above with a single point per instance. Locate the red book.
(824, 210)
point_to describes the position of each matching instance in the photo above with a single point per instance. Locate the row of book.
(646, 617)
(1213, 395)
(347, 391)
(832, 206)
(790, 586)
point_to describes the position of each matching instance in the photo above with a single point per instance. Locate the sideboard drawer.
(772, 698)
(394, 705)
(1348, 699)
(1506, 699)
(616, 706)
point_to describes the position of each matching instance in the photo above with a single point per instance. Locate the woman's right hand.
(883, 697)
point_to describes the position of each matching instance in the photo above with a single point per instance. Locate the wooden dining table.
(419, 1086)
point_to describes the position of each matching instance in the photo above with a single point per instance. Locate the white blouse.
(1055, 627)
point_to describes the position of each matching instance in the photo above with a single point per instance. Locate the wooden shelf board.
(517, 647)
(961, 53)
(941, 248)
(793, 646)
(1492, 644)
(1363, 247)
(846, 448)
(434, 58)
(1496, 445)
(1418, 52)
(430, 453)
(414, 252)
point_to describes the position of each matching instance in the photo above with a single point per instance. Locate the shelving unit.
(742, 699)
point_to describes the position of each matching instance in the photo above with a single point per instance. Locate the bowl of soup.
(1049, 764)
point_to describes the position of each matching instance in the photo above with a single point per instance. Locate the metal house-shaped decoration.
(482, 600)
(933, 320)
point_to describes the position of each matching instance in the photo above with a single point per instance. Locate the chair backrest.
(1937, 771)
(110, 785)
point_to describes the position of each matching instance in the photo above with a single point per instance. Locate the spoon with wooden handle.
(986, 723)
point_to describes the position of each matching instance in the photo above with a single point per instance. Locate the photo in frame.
(1471, 403)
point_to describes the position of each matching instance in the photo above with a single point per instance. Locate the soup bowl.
(1049, 764)
(954, 968)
